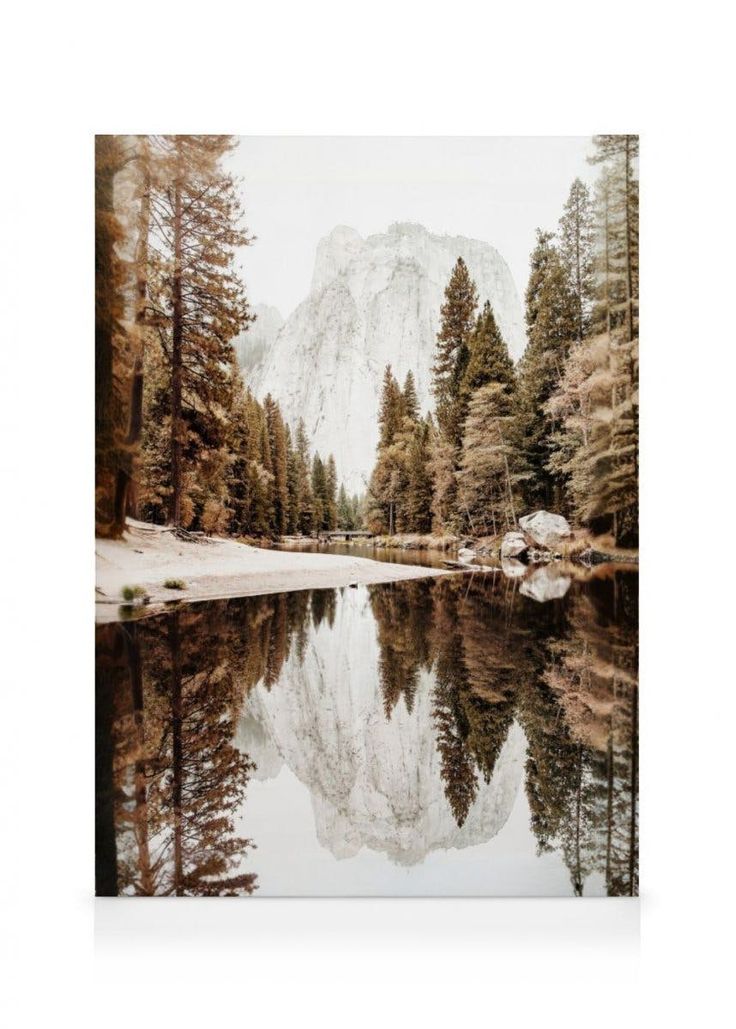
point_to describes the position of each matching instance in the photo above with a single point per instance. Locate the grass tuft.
(175, 584)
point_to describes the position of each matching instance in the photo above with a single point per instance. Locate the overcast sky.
(297, 188)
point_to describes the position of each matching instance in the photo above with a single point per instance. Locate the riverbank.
(580, 548)
(149, 556)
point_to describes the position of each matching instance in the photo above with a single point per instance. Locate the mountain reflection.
(172, 782)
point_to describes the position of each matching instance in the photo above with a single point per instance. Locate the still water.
(465, 735)
(387, 555)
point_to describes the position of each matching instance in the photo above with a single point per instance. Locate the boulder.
(512, 568)
(513, 544)
(545, 584)
(545, 529)
(465, 554)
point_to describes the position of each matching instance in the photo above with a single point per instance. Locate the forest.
(560, 430)
(181, 440)
(171, 691)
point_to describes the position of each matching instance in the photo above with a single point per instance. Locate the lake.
(469, 735)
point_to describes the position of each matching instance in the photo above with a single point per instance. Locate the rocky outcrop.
(373, 302)
(514, 544)
(545, 529)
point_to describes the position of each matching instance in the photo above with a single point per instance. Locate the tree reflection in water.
(171, 688)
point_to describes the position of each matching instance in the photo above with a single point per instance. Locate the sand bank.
(148, 555)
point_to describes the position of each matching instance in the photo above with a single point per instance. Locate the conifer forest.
(367, 565)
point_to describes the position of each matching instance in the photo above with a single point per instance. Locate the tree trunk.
(633, 843)
(177, 754)
(135, 419)
(141, 792)
(176, 357)
(629, 275)
(106, 859)
(107, 520)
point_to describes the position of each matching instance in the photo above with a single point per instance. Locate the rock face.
(374, 782)
(545, 529)
(252, 347)
(513, 544)
(374, 302)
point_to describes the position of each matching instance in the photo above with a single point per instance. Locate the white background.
(407, 68)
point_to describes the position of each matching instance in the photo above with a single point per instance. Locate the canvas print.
(366, 509)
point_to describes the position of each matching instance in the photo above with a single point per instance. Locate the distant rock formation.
(373, 302)
(252, 347)
(374, 782)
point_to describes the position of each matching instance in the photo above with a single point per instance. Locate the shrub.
(175, 584)
(133, 593)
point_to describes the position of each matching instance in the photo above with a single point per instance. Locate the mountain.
(374, 782)
(373, 302)
(252, 346)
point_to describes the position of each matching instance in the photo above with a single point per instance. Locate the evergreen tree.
(595, 405)
(451, 353)
(409, 398)
(305, 499)
(491, 466)
(330, 494)
(344, 510)
(292, 485)
(319, 494)
(551, 325)
(391, 409)
(276, 432)
(577, 238)
(117, 385)
(488, 356)
(418, 499)
(197, 302)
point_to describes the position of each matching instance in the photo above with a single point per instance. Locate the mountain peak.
(373, 302)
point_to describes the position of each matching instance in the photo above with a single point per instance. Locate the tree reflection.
(171, 783)
(566, 671)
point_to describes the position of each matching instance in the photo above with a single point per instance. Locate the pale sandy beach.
(148, 555)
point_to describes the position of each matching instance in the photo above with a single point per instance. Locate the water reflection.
(411, 711)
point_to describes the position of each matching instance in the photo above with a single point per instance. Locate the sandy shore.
(148, 555)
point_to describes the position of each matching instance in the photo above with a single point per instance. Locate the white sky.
(297, 188)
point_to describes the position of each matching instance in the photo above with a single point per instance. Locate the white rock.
(374, 782)
(253, 347)
(465, 554)
(512, 568)
(545, 529)
(545, 584)
(373, 302)
(513, 544)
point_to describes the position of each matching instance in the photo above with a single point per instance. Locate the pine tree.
(409, 398)
(577, 237)
(488, 356)
(197, 302)
(278, 464)
(391, 409)
(305, 499)
(115, 388)
(491, 467)
(418, 499)
(618, 155)
(319, 491)
(345, 511)
(595, 405)
(551, 326)
(292, 485)
(451, 353)
(330, 494)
